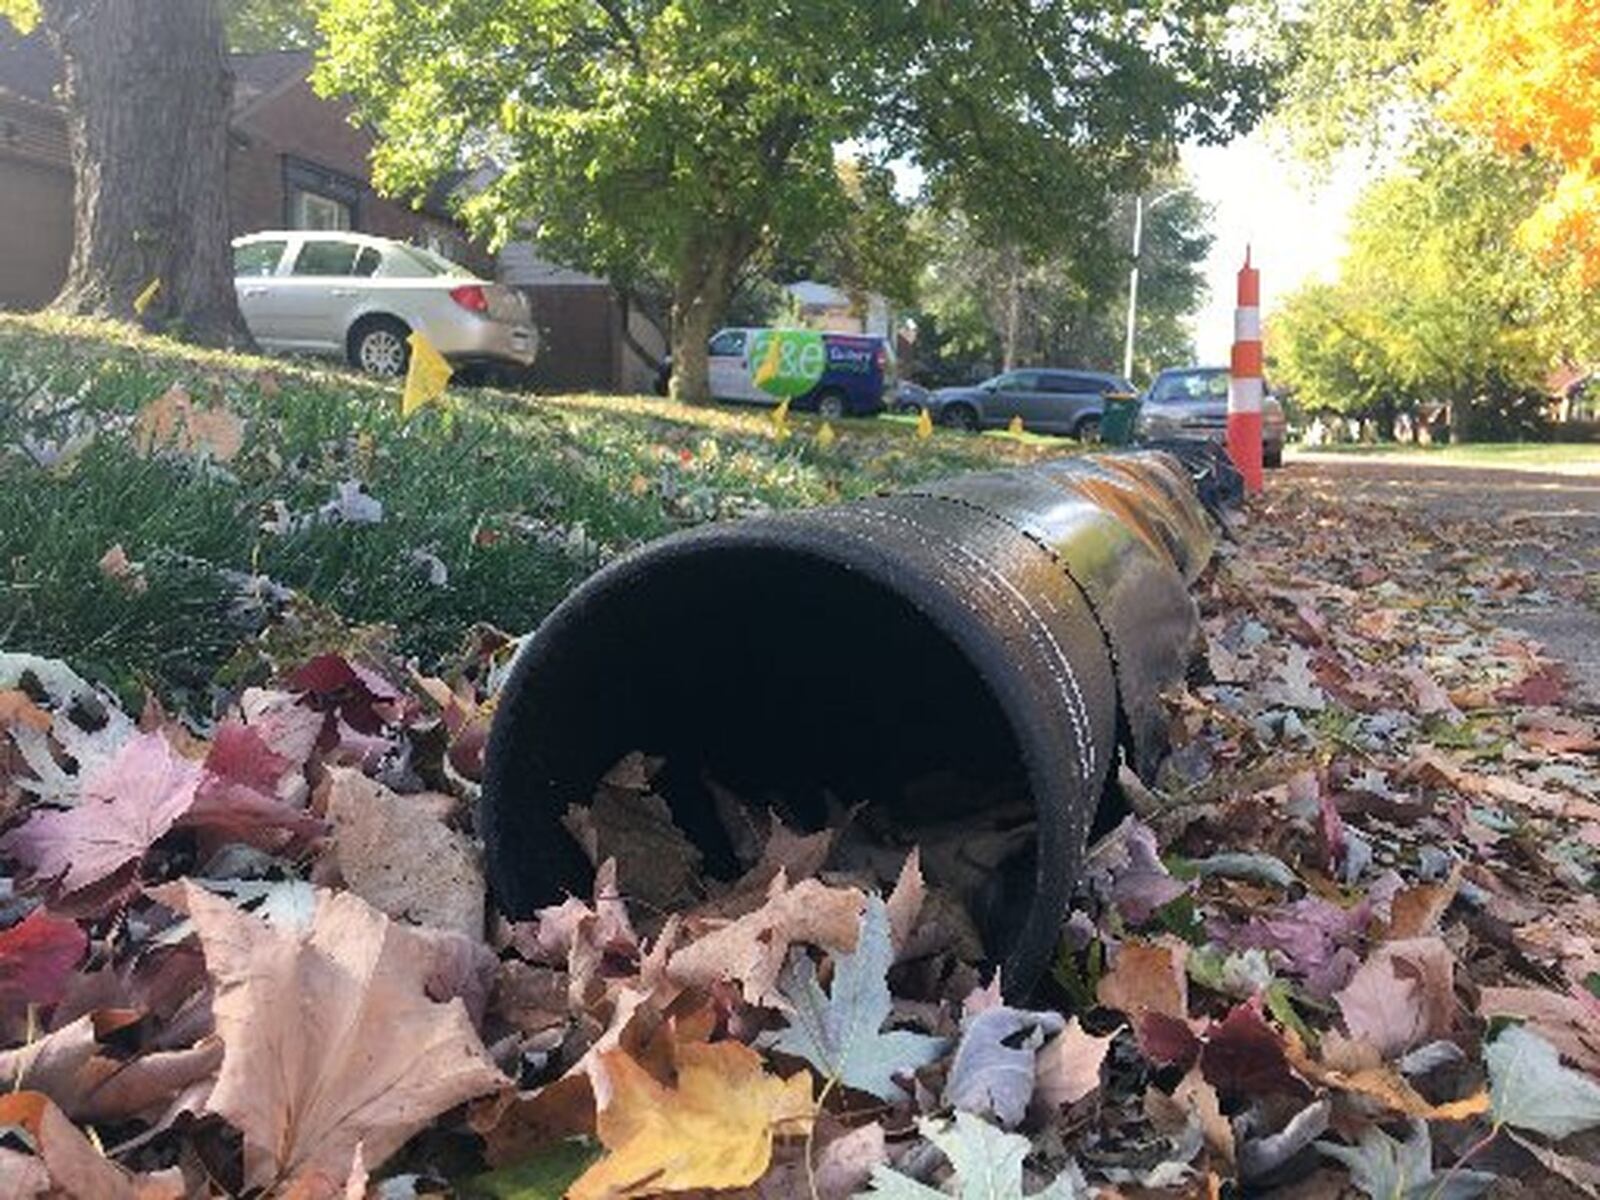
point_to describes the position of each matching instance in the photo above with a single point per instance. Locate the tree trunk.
(704, 287)
(1013, 318)
(147, 90)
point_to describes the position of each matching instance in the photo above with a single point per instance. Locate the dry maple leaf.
(1378, 1081)
(128, 803)
(68, 1161)
(713, 1130)
(1068, 1066)
(752, 949)
(174, 421)
(37, 957)
(69, 1066)
(1148, 977)
(1402, 996)
(396, 854)
(1570, 1023)
(330, 1041)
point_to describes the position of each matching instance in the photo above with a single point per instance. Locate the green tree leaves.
(687, 140)
(24, 14)
(1435, 303)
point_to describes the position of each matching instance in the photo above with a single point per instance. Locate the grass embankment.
(1565, 458)
(493, 505)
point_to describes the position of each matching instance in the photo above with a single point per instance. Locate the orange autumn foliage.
(1526, 74)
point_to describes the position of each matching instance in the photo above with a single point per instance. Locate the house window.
(318, 198)
(311, 211)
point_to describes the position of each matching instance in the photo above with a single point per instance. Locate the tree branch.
(619, 22)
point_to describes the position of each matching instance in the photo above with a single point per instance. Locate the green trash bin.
(1120, 418)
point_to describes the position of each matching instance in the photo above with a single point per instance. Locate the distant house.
(823, 306)
(294, 161)
(1575, 395)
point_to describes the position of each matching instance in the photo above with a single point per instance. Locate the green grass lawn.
(1577, 458)
(493, 504)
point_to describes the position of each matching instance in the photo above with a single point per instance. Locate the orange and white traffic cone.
(1245, 389)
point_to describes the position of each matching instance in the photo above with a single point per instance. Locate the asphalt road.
(1548, 525)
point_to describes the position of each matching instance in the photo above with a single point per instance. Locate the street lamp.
(1133, 274)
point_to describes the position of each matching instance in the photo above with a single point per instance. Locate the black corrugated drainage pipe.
(1007, 630)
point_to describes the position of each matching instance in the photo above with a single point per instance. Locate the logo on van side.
(787, 362)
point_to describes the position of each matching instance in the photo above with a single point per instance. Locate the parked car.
(910, 397)
(1048, 399)
(842, 374)
(1193, 402)
(359, 298)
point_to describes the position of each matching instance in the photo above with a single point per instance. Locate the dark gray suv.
(1048, 399)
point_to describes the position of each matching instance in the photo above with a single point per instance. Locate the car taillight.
(882, 357)
(471, 297)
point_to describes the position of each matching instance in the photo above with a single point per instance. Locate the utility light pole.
(1133, 274)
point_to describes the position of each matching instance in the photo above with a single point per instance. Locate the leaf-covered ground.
(489, 508)
(1348, 943)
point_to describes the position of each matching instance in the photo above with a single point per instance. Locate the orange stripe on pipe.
(1247, 359)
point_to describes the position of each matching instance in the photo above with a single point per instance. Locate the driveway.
(1542, 527)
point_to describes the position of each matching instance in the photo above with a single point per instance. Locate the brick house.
(294, 162)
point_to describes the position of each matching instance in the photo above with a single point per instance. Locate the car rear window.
(412, 262)
(326, 258)
(1191, 387)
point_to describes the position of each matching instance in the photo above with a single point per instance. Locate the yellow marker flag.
(427, 376)
(1016, 424)
(780, 415)
(925, 424)
(826, 436)
(147, 297)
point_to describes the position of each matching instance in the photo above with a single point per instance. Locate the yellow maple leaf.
(714, 1130)
(925, 424)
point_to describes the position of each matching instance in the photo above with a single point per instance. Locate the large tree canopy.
(682, 138)
(1436, 303)
(1527, 76)
(991, 307)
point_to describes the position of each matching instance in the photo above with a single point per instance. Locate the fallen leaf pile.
(1347, 942)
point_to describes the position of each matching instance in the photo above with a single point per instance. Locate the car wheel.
(960, 416)
(1272, 456)
(378, 346)
(830, 405)
(1087, 431)
(907, 409)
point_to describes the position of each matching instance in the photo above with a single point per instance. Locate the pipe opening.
(800, 684)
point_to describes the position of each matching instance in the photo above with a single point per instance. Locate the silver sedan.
(359, 298)
(1193, 402)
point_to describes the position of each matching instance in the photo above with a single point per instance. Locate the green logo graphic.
(787, 362)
